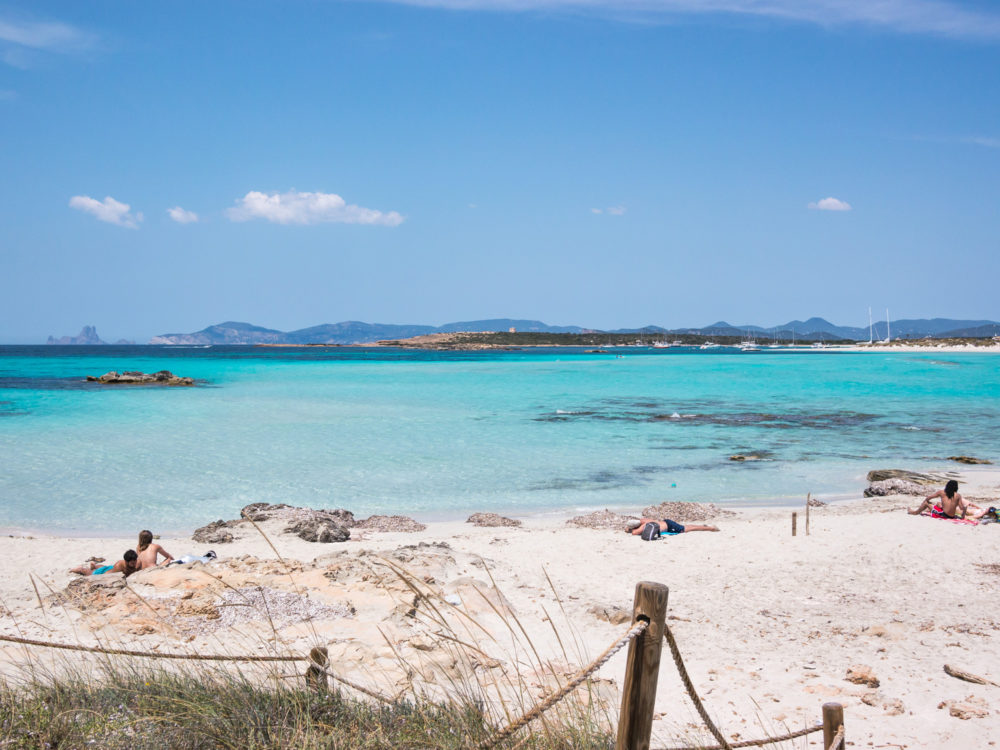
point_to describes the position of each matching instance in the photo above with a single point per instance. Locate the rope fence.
(565, 690)
(318, 671)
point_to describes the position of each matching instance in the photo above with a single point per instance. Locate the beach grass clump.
(129, 706)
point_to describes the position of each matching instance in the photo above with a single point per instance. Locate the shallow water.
(441, 434)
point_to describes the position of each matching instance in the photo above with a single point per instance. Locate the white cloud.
(181, 215)
(944, 17)
(597, 210)
(20, 41)
(294, 207)
(830, 204)
(610, 210)
(109, 210)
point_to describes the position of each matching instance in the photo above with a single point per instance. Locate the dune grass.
(126, 705)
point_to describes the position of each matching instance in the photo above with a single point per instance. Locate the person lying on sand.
(951, 501)
(126, 565)
(148, 551)
(666, 526)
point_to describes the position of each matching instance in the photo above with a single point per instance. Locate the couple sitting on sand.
(147, 556)
(950, 502)
(650, 529)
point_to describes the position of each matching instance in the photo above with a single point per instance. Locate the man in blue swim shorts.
(659, 528)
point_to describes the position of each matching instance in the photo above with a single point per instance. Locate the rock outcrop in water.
(87, 337)
(969, 460)
(134, 377)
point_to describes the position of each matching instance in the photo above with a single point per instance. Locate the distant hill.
(357, 332)
(87, 337)
(346, 332)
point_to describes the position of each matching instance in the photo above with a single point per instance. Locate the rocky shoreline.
(134, 377)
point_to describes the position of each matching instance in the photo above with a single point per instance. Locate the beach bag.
(650, 532)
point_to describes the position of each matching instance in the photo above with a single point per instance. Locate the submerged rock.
(969, 460)
(491, 519)
(134, 377)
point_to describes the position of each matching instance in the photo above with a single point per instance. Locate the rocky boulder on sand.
(134, 377)
(602, 519)
(283, 512)
(491, 520)
(390, 523)
(894, 487)
(879, 475)
(686, 512)
(216, 532)
(319, 530)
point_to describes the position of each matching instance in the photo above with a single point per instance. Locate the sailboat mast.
(871, 336)
(888, 336)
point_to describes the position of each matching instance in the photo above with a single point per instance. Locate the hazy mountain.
(505, 324)
(357, 332)
(87, 337)
(353, 332)
(230, 332)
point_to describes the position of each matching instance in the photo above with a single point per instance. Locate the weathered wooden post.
(642, 668)
(316, 678)
(795, 518)
(808, 503)
(833, 720)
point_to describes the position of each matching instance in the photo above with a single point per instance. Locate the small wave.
(911, 427)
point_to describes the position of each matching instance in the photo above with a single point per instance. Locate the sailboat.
(888, 336)
(748, 344)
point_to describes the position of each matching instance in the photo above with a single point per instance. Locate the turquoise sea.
(437, 435)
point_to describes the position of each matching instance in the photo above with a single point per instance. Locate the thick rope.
(149, 654)
(760, 743)
(565, 690)
(838, 739)
(354, 685)
(689, 686)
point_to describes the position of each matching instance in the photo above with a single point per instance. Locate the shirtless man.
(126, 565)
(951, 501)
(148, 551)
(666, 527)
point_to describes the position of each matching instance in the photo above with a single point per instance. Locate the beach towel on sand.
(937, 512)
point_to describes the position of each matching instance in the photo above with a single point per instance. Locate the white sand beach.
(768, 624)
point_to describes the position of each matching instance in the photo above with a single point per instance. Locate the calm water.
(437, 435)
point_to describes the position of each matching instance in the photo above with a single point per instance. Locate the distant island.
(87, 337)
(535, 332)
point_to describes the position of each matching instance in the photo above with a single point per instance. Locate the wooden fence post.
(642, 668)
(316, 678)
(808, 503)
(795, 518)
(833, 719)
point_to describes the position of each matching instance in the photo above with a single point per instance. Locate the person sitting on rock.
(126, 565)
(666, 526)
(950, 502)
(148, 551)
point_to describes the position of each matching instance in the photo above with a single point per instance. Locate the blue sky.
(605, 164)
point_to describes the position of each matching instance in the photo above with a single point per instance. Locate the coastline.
(768, 623)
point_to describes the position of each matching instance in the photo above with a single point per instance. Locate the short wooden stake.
(316, 679)
(642, 668)
(808, 503)
(795, 519)
(833, 719)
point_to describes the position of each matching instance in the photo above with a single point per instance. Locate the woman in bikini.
(149, 552)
